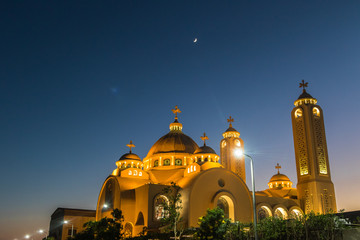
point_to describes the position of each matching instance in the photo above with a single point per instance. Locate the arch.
(263, 210)
(298, 113)
(160, 203)
(226, 203)
(316, 112)
(140, 219)
(128, 229)
(202, 198)
(280, 211)
(295, 212)
(109, 194)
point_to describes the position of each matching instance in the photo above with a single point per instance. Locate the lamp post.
(239, 152)
(41, 231)
(72, 227)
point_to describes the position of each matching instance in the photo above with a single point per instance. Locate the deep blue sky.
(79, 79)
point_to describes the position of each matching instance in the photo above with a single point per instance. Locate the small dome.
(204, 149)
(305, 95)
(130, 156)
(279, 177)
(174, 141)
(231, 129)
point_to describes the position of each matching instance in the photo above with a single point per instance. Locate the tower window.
(223, 144)
(237, 142)
(298, 113)
(316, 112)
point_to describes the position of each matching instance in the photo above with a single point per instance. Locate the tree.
(104, 229)
(213, 225)
(172, 218)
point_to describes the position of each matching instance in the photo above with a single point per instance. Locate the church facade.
(207, 180)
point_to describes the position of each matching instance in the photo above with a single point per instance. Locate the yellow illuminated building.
(208, 180)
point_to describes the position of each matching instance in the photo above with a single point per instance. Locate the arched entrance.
(227, 205)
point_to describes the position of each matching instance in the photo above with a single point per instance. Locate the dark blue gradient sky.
(79, 79)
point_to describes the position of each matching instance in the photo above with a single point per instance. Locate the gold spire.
(176, 111)
(278, 166)
(130, 145)
(204, 138)
(303, 85)
(230, 120)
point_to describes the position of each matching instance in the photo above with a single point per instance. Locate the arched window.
(316, 112)
(160, 204)
(140, 219)
(227, 205)
(295, 214)
(156, 163)
(109, 194)
(178, 162)
(298, 113)
(280, 213)
(264, 212)
(166, 162)
(128, 229)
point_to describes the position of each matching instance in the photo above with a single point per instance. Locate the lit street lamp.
(41, 231)
(239, 152)
(72, 227)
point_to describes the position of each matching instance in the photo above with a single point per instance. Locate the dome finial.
(278, 166)
(204, 138)
(130, 145)
(176, 111)
(230, 120)
(303, 85)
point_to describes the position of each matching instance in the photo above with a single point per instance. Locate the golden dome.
(130, 156)
(279, 177)
(279, 181)
(173, 142)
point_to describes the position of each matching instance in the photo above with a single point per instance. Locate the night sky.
(80, 79)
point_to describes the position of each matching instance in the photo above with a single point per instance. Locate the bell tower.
(315, 188)
(229, 146)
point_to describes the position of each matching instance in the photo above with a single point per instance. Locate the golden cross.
(176, 111)
(130, 145)
(230, 120)
(303, 84)
(278, 167)
(204, 138)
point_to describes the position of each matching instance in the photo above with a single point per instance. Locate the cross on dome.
(130, 145)
(204, 138)
(176, 111)
(230, 120)
(303, 85)
(278, 167)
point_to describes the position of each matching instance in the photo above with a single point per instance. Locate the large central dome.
(173, 142)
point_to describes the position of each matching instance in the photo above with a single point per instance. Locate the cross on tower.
(230, 120)
(278, 167)
(303, 85)
(130, 145)
(204, 138)
(176, 111)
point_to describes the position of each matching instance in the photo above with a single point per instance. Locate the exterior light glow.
(66, 221)
(105, 206)
(27, 236)
(238, 153)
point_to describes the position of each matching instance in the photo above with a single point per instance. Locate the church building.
(208, 180)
